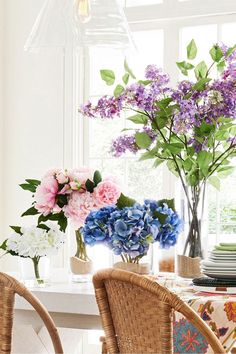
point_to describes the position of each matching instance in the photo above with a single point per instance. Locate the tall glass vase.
(80, 264)
(189, 262)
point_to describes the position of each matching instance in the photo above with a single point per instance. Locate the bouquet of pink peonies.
(71, 194)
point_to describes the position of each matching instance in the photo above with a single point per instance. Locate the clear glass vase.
(80, 264)
(35, 272)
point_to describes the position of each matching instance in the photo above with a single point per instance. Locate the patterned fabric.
(218, 311)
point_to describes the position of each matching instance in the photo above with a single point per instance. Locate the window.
(161, 37)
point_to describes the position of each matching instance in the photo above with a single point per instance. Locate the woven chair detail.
(8, 288)
(137, 314)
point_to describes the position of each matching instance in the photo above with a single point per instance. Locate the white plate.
(223, 259)
(208, 263)
(209, 289)
(223, 252)
(221, 276)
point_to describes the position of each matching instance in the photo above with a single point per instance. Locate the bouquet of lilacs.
(190, 127)
(129, 230)
(34, 242)
(71, 194)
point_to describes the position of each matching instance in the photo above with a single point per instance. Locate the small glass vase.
(80, 264)
(35, 272)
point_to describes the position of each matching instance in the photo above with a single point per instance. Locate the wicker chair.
(8, 288)
(137, 314)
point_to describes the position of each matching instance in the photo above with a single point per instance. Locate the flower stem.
(36, 270)
(81, 251)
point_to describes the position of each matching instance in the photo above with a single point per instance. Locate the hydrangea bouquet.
(190, 127)
(71, 194)
(34, 242)
(129, 230)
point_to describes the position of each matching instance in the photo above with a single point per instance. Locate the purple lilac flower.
(126, 143)
(107, 107)
(122, 144)
(152, 72)
(140, 96)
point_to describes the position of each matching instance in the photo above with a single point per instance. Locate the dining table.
(73, 305)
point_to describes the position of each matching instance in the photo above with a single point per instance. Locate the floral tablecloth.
(217, 310)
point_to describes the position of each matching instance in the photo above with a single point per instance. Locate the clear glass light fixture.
(63, 23)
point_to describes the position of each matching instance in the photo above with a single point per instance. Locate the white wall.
(33, 119)
(1, 109)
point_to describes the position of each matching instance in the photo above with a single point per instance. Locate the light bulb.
(82, 10)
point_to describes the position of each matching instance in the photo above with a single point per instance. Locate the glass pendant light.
(63, 23)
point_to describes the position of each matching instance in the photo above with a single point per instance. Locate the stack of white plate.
(220, 264)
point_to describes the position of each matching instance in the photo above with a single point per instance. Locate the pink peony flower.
(45, 195)
(107, 192)
(62, 177)
(80, 174)
(79, 206)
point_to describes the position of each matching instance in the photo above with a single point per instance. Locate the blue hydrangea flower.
(132, 230)
(95, 229)
(172, 226)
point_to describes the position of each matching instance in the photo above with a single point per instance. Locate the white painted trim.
(173, 9)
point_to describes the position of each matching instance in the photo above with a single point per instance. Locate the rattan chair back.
(137, 314)
(8, 288)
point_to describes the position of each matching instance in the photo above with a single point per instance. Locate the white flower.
(35, 241)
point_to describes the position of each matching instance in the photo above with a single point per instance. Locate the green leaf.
(89, 185)
(160, 216)
(174, 148)
(62, 200)
(125, 78)
(59, 217)
(108, 76)
(43, 226)
(36, 182)
(204, 158)
(172, 167)
(201, 70)
(164, 103)
(184, 67)
(157, 162)
(16, 229)
(30, 211)
(200, 85)
(192, 179)
(143, 140)
(216, 53)
(118, 90)
(31, 185)
(125, 201)
(188, 164)
(144, 82)
(97, 178)
(225, 171)
(170, 203)
(214, 181)
(160, 121)
(191, 50)
(230, 50)
(147, 155)
(139, 119)
(128, 70)
(222, 135)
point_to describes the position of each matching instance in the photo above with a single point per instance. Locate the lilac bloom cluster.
(126, 143)
(192, 106)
